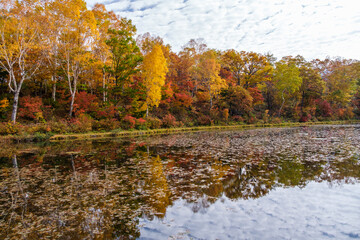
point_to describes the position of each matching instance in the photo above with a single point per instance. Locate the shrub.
(323, 108)
(128, 122)
(215, 115)
(251, 120)
(276, 120)
(106, 124)
(10, 128)
(305, 117)
(169, 121)
(204, 120)
(105, 112)
(59, 126)
(85, 103)
(345, 113)
(38, 128)
(238, 119)
(140, 124)
(81, 124)
(153, 123)
(266, 116)
(31, 108)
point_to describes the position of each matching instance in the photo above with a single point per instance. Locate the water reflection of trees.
(99, 190)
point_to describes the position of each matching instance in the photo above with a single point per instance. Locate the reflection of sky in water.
(318, 211)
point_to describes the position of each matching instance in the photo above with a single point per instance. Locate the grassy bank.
(132, 133)
(118, 134)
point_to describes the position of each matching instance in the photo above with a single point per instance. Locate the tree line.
(63, 62)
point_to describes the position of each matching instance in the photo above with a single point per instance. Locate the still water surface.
(286, 183)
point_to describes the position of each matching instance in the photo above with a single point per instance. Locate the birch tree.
(19, 45)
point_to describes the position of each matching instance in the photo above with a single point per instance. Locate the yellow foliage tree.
(207, 71)
(19, 44)
(78, 33)
(154, 73)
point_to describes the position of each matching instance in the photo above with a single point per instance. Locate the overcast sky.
(311, 28)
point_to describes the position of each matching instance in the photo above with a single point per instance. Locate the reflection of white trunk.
(17, 172)
(15, 164)
(73, 167)
(106, 178)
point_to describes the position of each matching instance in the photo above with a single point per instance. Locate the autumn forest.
(66, 68)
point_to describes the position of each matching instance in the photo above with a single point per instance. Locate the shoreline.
(135, 133)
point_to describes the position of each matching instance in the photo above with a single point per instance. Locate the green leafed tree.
(287, 81)
(125, 56)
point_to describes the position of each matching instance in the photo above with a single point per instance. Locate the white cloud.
(314, 29)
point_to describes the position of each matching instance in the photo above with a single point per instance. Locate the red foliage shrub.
(105, 112)
(128, 122)
(305, 117)
(85, 103)
(31, 108)
(140, 124)
(169, 121)
(323, 108)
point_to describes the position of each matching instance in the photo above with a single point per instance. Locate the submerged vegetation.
(67, 69)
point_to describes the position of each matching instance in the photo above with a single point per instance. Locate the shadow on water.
(103, 189)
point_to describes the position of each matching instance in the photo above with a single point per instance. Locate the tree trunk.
(104, 90)
(147, 111)
(54, 89)
(72, 104)
(15, 106)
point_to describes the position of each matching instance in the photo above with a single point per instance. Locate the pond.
(279, 183)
